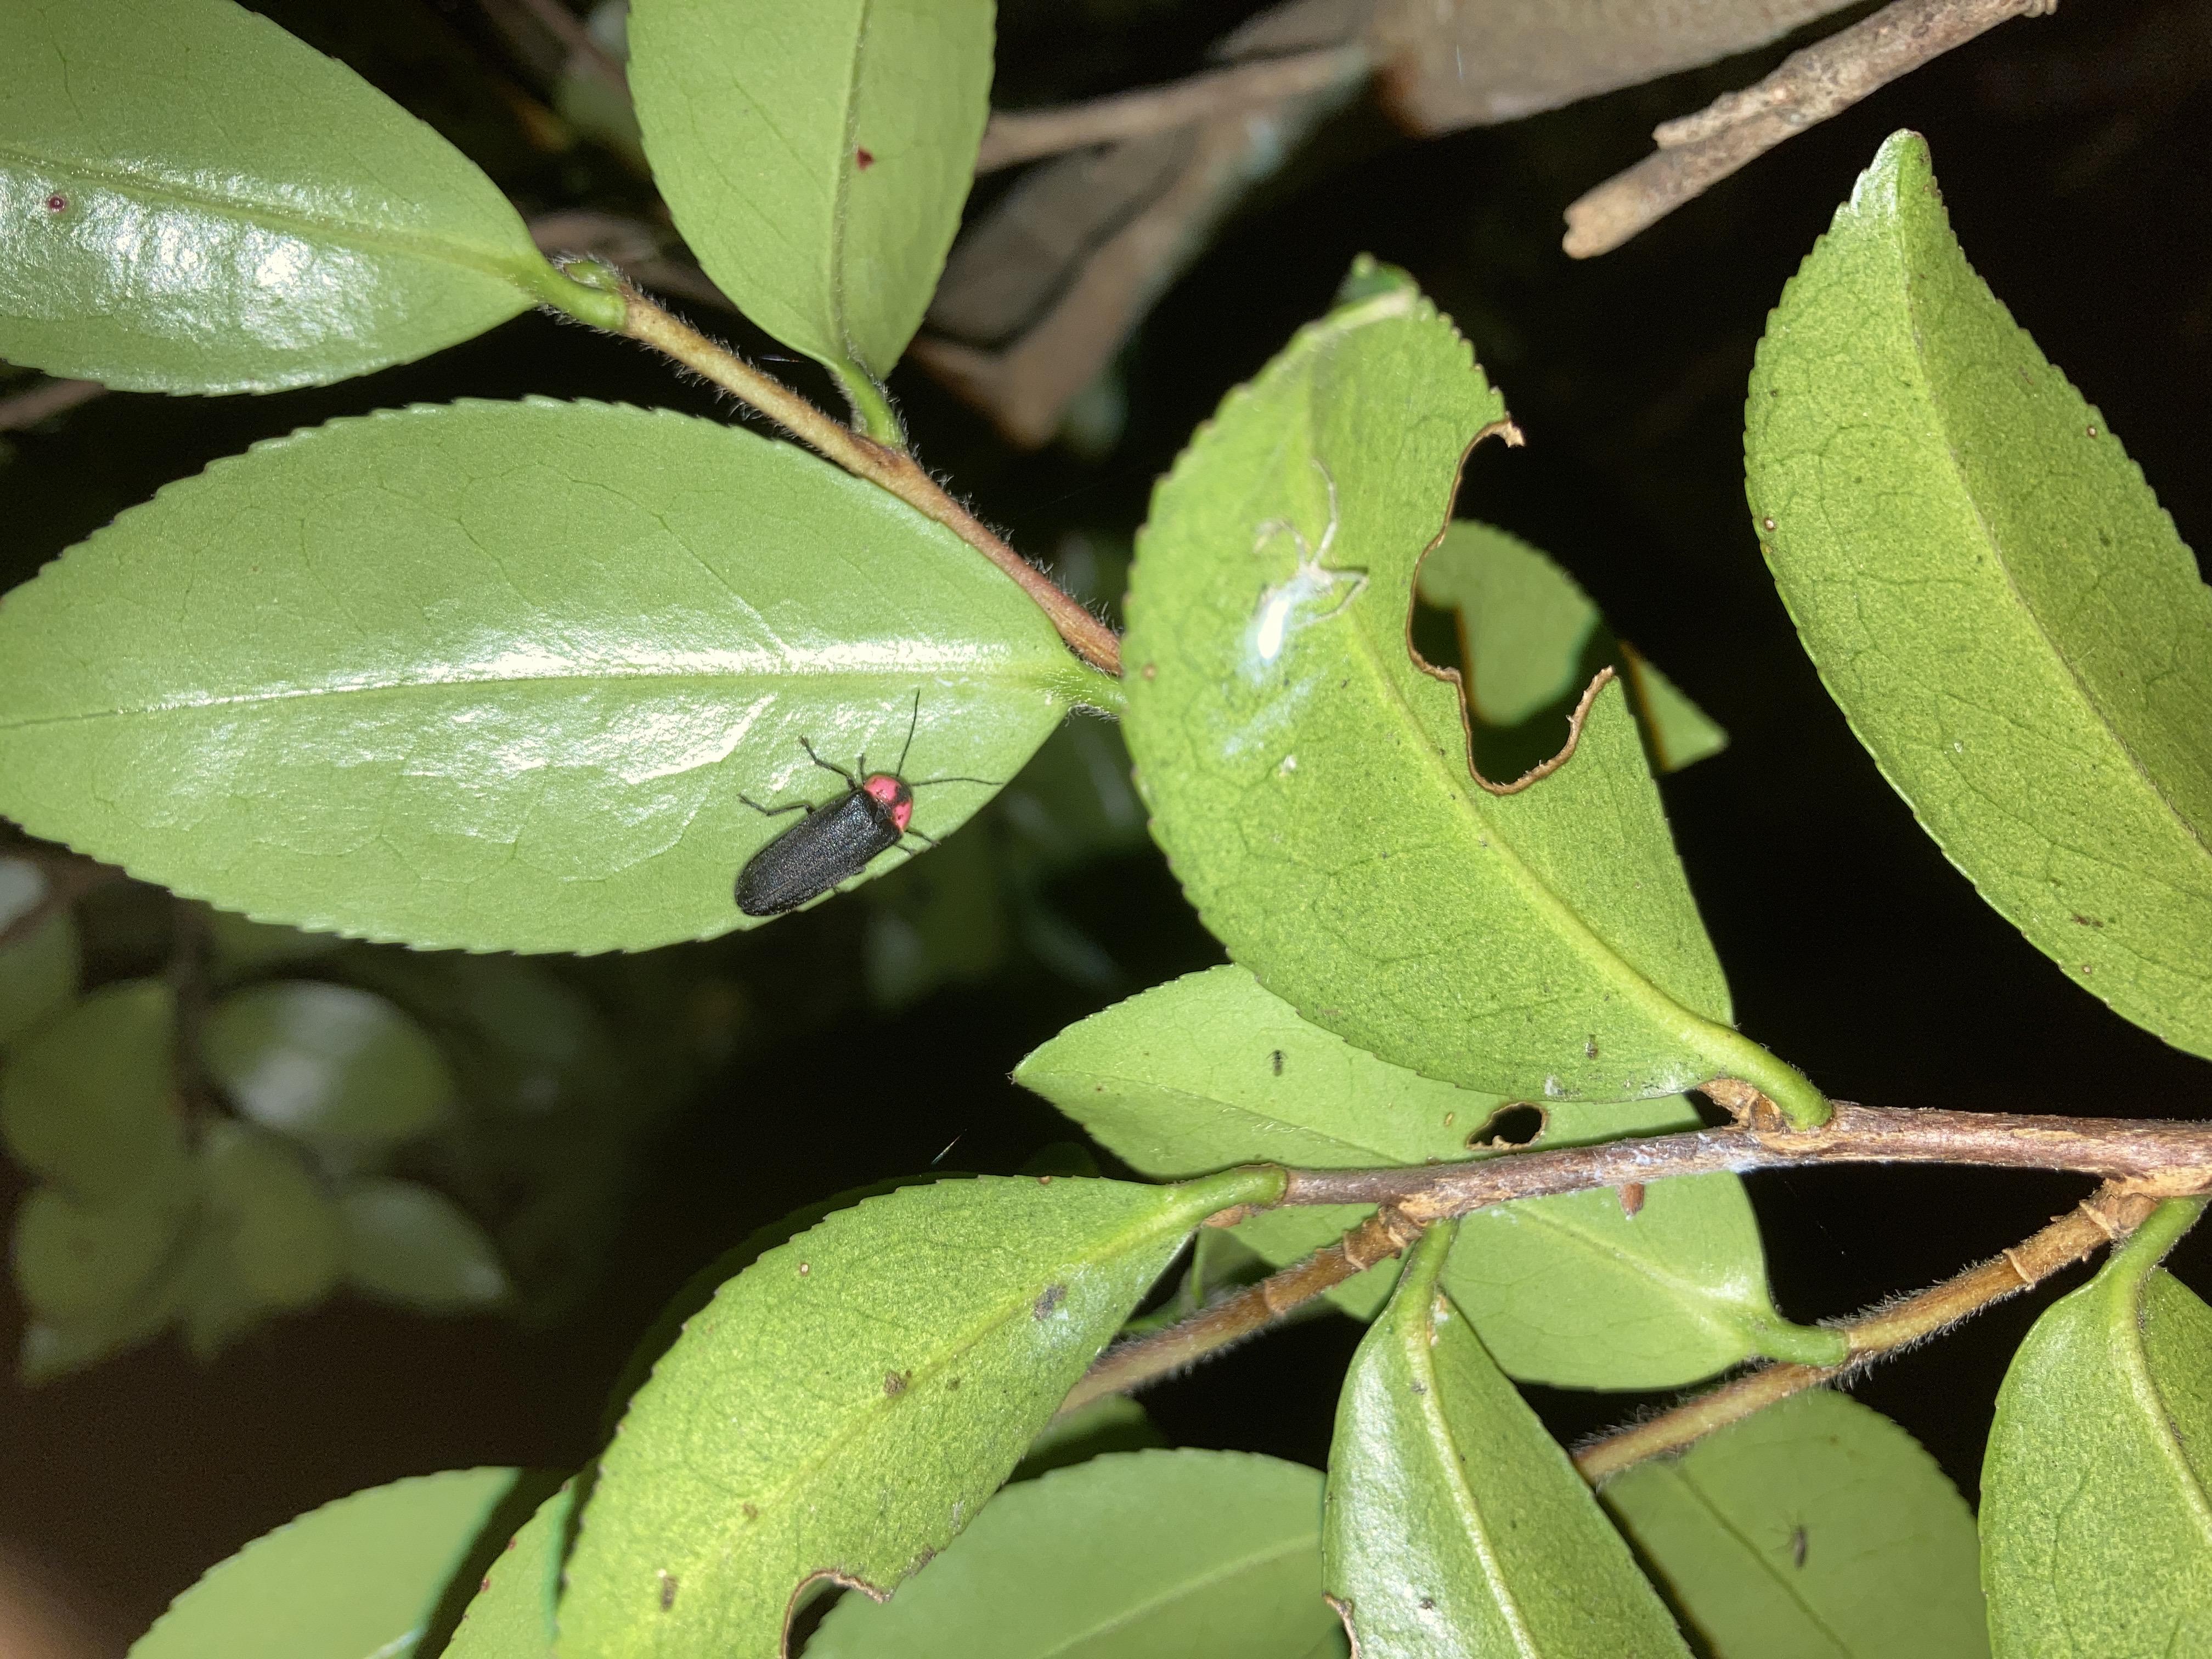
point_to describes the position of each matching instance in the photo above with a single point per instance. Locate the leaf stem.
(2105, 1217)
(887, 468)
(1132, 1364)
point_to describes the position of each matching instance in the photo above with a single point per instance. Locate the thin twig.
(893, 470)
(1133, 1364)
(572, 32)
(2105, 1217)
(46, 400)
(1027, 134)
(1698, 151)
(2167, 1160)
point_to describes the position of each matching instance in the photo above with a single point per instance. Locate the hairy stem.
(2163, 1158)
(890, 469)
(2105, 1217)
(1027, 134)
(1133, 1364)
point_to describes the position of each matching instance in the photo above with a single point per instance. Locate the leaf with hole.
(1529, 641)
(2096, 1530)
(816, 158)
(1310, 778)
(1210, 1070)
(1817, 1526)
(1995, 598)
(358, 1578)
(1078, 1563)
(846, 1404)
(1455, 1526)
(326, 1064)
(196, 202)
(504, 674)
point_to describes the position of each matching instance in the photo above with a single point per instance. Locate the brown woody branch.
(1029, 134)
(1825, 79)
(2165, 1159)
(2108, 1215)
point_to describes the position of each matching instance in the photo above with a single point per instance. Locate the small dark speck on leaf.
(485, 1586)
(894, 1384)
(1276, 1060)
(1769, 523)
(2093, 431)
(752, 1512)
(1418, 1388)
(2087, 921)
(951, 1383)
(865, 157)
(1590, 1048)
(58, 202)
(1631, 1198)
(1151, 670)
(1044, 1181)
(667, 1590)
(805, 1268)
(1797, 1542)
(1428, 1604)
(1052, 1297)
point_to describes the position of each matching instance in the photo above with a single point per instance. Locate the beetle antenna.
(914, 719)
(990, 783)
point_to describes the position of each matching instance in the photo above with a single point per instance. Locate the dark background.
(2072, 151)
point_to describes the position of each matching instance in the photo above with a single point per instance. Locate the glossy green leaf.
(1139, 1555)
(1538, 943)
(512, 1615)
(405, 1243)
(496, 675)
(79, 1263)
(2097, 1484)
(1994, 596)
(1530, 641)
(1211, 1070)
(196, 201)
(40, 972)
(86, 1102)
(326, 1064)
(1816, 1528)
(816, 158)
(354, 1579)
(846, 1404)
(1455, 1526)
(274, 1241)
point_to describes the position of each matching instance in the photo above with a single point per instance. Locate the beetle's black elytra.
(837, 838)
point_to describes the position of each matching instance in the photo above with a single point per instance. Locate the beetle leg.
(826, 766)
(777, 811)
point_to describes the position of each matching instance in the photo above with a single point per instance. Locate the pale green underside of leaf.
(1310, 782)
(1455, 1526)
(196, 201)
(1138, 1555)
(847, 1404)
(755, 115)
(1817, 1528)
(326, 1064)
(2097, 1484)
(355, 1579)
(1994, 596)
(1532, 638)
(1571, 1290)
(496, 675)
(511, 1617)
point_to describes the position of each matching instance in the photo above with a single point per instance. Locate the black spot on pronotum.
(667, 1590)
(1276, 1058)
(1052, 1297)
(1510, 1126)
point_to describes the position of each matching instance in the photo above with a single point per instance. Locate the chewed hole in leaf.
(1517, 1124)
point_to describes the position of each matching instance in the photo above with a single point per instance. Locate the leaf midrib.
(1939, 410)
(1180, 1590)
(353, 232)
(612, 675)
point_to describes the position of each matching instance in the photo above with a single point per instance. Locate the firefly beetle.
(835, 840)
